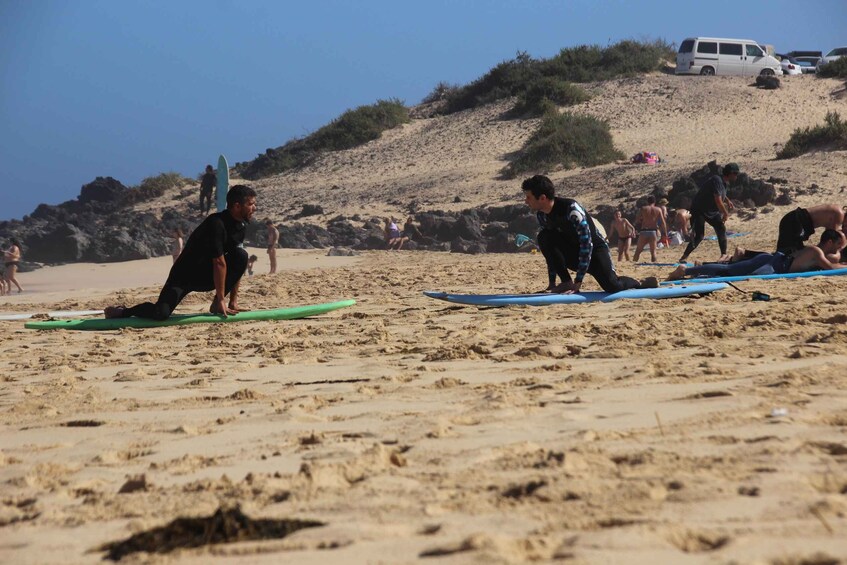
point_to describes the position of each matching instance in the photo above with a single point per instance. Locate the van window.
(707, 47)
(731, 49)
(754, 51)
(687, 46)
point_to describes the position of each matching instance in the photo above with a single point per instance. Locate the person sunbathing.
(806, 259)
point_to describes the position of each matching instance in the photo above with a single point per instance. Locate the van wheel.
(707, 71)
(767, 72)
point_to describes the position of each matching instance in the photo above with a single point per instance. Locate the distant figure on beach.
(797, 226)
(250, 262)
(12, 260)
(810, 258)
(652, 224)
(207, 185)
(273, 239)
(662, 205)
(711, 205)
(176, 247)
(625, 232)
(213, 259)
(393, 238)
(682, 223)
(569, 239)
(410, 230)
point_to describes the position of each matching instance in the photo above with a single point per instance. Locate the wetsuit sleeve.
(579, 219)
(217, 239)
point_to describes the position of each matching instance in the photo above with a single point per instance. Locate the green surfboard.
(183, 319)
(223, 183)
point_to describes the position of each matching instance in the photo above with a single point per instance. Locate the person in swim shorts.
(806, 259)
(652, 223)
(213, 259)
(569, 239)
(625, 232)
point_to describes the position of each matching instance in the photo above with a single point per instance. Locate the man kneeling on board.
(213, 259)
(569, 239)
(815, 258)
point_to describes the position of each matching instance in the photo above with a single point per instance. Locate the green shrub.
(441, 91)
(545, 91)
(835, 69)
(153, 187)
(350, 129)
(584, 63)
(568, 140)
(508, 78)
(832, 134)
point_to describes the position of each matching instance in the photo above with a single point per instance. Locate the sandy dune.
(693, 430)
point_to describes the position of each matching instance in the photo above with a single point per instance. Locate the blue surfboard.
(806, 274)
(728, 236)
(223, 183)
(547, 299)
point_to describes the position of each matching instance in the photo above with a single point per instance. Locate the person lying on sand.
(569, 239)
(806, 259)
(213, 259)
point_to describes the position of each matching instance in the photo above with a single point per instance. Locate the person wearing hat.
(710, 205)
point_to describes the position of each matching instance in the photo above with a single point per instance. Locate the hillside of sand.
(403, 429)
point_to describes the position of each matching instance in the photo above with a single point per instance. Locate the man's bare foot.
(650, 282)
(114, 312)
(677, 273)
(562, 288)
(738, 254)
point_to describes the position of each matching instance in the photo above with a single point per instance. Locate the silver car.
(833, 55)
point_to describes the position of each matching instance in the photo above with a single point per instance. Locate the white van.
(721, 56)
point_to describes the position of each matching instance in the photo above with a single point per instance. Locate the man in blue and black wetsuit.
(569, 239)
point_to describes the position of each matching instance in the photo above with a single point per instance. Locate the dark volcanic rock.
(60, 244)
(102, 189)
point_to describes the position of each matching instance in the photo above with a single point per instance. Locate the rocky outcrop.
(101, 225)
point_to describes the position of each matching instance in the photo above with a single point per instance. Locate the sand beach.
(404, 429)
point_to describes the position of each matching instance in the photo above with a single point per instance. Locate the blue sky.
(132, 88)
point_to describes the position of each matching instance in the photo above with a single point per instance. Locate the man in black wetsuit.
(213, 259)
(208, 183)
(569, 240)
(709, 206)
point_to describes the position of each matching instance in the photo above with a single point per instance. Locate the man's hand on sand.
(219, 307)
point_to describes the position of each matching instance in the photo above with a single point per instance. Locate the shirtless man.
(682, 222)
(798, 226)
(625, 232)
(652, 223)
(273, 239)
(810, 258)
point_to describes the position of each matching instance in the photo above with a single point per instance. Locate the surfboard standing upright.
(223, 183)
